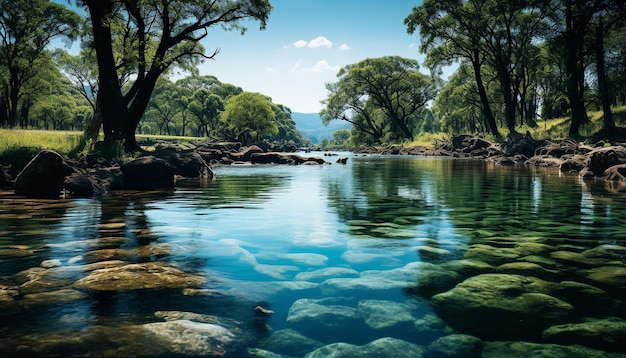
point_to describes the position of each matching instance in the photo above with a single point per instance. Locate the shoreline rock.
(48, 174)
(597, 161)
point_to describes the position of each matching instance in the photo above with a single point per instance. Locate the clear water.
(273, 235)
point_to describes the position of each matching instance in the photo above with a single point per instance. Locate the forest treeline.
(515, 64)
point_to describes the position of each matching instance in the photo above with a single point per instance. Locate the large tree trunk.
(509, 100)
(482, 93)
(608, 121)
(139, 104)
(112, 108)
(92, 131)
(575, 75)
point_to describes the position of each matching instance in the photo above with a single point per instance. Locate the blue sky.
(305, 43)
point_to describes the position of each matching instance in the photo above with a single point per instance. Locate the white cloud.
(300, 43)
(271, 69)
(320, 66)
(317, 42)
(320, 41)
(344, 47)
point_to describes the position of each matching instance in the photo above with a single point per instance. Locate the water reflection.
(369, 244)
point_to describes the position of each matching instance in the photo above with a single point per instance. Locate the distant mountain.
(310, 125)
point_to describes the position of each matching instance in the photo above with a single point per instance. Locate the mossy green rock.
(606, 334)
(535, 350)
(502, 306)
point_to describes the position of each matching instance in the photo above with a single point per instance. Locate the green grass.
(558, 128)
(18, 146)
(60, 141)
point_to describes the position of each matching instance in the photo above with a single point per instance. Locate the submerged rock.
(501, 306)
(610, 277)
(382, 314)
(290, 342)
(183, 337)
(323, 315)
(138, 276)
(527, 349)
(328, 272)
(383, 347)
(52, 297)
(456, 345)
(606, 334)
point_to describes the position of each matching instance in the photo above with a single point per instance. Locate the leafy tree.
(341, 138)
(352, 108)
(551, 81)
(250, 115)
(458, 105)
(450, 31)
(392, 84)
(498, 33)
(206, 107)
(580, 28)
(165, 34)
(83, 73)
(26, 28)
(287, 131)
(163, 109)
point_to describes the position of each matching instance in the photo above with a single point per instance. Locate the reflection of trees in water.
(240, 190)
(386, 197)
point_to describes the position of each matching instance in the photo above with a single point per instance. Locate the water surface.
(340, 253)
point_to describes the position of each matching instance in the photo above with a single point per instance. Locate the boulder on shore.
(43, 176)
(148, 172)
(280, 158)
(185, 162)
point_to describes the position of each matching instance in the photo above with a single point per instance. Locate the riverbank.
(50, 175)
(601, 160)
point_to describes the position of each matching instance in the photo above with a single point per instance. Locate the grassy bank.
(18, 146)
(553, 129)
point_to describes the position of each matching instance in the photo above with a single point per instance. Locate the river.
(345, 260)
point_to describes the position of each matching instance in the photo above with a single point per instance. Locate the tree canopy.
(380, 96)
(160, 35)
(249, 115)
(27, 27)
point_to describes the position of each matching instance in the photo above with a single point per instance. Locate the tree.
(353, 108)
(458, 105)
(500, 34)
(83, 73)
(166, 34)
(206, 107)
(341, 138)
(163, 109)
(250, 115)
(450, 30)
(26, 28)
(582, 32)
(287, 131)
(392, 83)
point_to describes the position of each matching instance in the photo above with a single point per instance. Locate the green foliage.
(381, 97)
(250, 116)
(19, 146)
(27, 27)
(287, 131)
